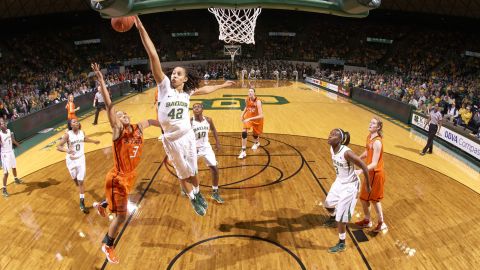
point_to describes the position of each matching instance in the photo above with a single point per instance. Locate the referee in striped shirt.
(434, 123)
(99, 104)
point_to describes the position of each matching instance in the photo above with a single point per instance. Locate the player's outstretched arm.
(151, 51)
(148, 123)
(207, 89)
(352, 157)
(111, 113)
(87, 139)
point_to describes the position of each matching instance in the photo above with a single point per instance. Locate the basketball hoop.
(236, 25)
(232, 50)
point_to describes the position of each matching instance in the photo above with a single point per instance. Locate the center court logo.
(237, 102)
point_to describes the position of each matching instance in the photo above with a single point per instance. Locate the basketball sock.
(82, 196)
(108, 240)
(342, 237)
(196, 189)
(215, 188)
(367, 214)
(244, 149)
(378, 208)
(191, 195)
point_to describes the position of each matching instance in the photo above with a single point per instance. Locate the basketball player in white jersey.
(244, 73)
(284, 74)
(201, 126)
(342, 197)
(8, 156)
(173, 104)
(75, 159)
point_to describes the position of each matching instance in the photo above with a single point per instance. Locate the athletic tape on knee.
(244, 135)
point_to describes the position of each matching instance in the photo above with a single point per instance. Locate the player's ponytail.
(345, 135)
(346, 141)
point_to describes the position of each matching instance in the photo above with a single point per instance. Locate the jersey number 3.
(135, 151)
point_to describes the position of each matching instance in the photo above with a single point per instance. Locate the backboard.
(346, 8)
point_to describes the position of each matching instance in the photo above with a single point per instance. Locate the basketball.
(123, 24)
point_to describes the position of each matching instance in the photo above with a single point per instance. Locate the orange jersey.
(369, 146)
(252, 110)
(127, 150)
(376, 176)
(70, 111)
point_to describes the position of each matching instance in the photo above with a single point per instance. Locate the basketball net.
(236, 25)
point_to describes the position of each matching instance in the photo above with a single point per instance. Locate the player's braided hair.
(345, 135)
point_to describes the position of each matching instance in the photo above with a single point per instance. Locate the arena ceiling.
(24, 8)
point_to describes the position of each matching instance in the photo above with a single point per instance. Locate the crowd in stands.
(424, 65)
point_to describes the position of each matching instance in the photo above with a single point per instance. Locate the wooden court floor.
(272, 216)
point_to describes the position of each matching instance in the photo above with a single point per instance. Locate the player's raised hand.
(137, 21)
(229, 83)
(96, 69)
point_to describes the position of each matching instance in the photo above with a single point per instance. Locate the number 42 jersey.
(173, 110)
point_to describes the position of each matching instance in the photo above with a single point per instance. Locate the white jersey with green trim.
(343, 168)
(76, 143)
(173, 110)
(201, 130)
(6, 141)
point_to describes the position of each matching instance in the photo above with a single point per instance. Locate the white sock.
(367, 215)
(378, 208)
(191, 195)
(82, 196)
(196, 189)
(215, 188)
(342, 236)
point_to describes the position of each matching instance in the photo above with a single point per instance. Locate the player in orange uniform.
(127, 149)
(252, 117)
(374, 160)
(70, 107)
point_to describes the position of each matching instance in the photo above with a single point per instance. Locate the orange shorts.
(377, 180)
(117, 188)
(257, 126)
